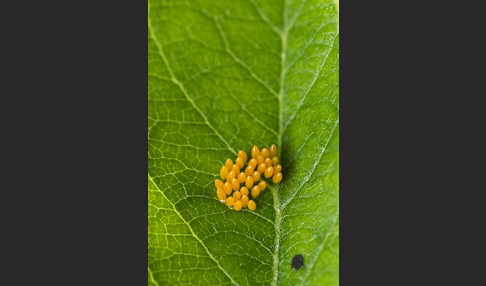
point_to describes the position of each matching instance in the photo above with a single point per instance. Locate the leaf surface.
(223, 76)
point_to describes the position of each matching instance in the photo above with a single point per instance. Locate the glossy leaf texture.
(223, 76)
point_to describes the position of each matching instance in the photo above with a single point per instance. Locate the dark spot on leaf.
(297, 262)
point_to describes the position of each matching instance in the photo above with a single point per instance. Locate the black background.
(74, 143)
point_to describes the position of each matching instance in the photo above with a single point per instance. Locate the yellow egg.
(228, 188)
(262, 185)
(237, 206)
(255, 151)
(277, 178)
(253, 162)
(256, 176)
(251, 205)
(273, 150)
(218, 183)
(241, 177)
(244, 191)
(268, 162)
(239, 162)
(229, 201)
(228, 164)
(221, 194)
(235, 185)
(255, 192)
(268, 172)
(249, 181)
(242, 155)
(223, 172)
(265, 153)
(236, 170)
(237, 195)
(231, 176)
(278, 168)
(244, 201)
(261, 168)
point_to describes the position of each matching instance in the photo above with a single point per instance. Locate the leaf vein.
(301, 101)
(182, 88)
(195, 235)
(316, 162)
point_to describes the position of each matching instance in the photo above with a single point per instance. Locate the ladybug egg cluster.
(264, 164)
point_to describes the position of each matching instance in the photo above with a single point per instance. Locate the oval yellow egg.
(229, 201)
(255, 192)
(218, 183)
(244, 191)
(265, 153)
(241, 177)
(273, 150)
(228, 164)
(261, 168)
(237, 206)
(228, 188)
(262, 185)
(223, 172)
(249, 181)
(242, 155)
(236, 170)
(244, 201)
(235, 185)
(256, 176)
(221, 194)
(239, 162)
(251, 205)
(268, 172)
(231, 176)
(277, 178)
(255, 151)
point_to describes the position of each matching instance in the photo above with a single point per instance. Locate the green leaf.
(225, 75)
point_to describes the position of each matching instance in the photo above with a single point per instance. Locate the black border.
(77, 158)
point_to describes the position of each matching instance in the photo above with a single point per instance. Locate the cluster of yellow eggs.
(263, 163)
